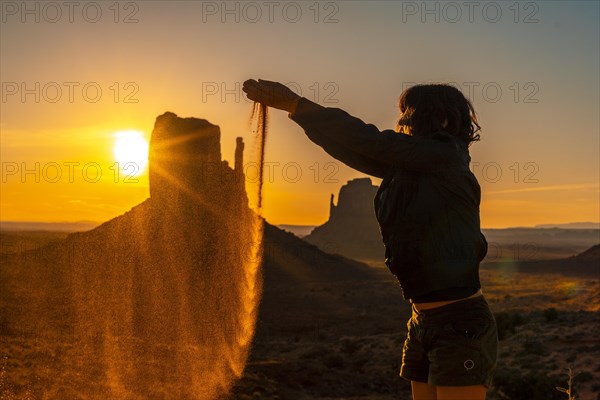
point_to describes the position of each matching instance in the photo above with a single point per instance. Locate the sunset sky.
(530, 68)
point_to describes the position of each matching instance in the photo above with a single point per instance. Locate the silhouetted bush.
(584, 377)
(532, 386)
(334, 361)
(506, 322)
(533, 346)
(4, 328)
(551, 314)
(358, 363)
(313, 352)
(349, 346)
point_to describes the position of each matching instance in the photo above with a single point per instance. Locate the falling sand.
(260, 114)
(158, 303)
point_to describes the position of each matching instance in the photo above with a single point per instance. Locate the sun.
(131, 151)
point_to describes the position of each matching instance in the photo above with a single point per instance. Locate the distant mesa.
(185, 162)
(352, 229)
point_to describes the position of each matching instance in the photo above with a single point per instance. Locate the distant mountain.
(298, 230)
(529, 244)
(572, 225)
(78, 226)
(592, 254)
(586, 264)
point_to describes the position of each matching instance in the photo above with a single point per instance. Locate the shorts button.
(469, 364)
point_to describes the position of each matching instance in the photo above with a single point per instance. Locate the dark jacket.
(427, 205)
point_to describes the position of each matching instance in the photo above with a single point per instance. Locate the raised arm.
(337, 149)
(359, 145)
(339, 132)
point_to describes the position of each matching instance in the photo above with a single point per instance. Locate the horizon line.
(95, 224)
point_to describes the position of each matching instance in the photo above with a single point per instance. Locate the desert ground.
(547, 323)
(302, 349)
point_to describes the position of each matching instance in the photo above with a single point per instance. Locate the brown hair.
(424, 108)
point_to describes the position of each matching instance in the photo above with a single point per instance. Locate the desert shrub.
(517, 318)
(349, 346)
(533, 346)
(568, 389)
(506, 322)
(584, 377)
(334, 361)
(574, 336)
(550, 314)
(516, 385)
(4, 328)
(306, 381)
(399, 339)
(530, 363)
(314, 352)
(359, 363)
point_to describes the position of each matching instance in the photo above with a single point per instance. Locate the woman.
(427, 207)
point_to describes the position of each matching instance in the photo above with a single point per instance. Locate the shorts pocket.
(461, 353)
(469, 331)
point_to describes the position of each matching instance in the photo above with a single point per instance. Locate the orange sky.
(534, 85)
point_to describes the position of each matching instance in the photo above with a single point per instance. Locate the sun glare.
(131, 151)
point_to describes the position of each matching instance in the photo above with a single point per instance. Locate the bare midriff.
(434, 304)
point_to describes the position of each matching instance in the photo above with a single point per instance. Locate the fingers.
(250, 82)
(261, 83)
(269, 83)
(249, 85)
(252, 90)
(259, 90)
(271, 93)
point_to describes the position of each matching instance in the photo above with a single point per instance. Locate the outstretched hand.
(272, 94)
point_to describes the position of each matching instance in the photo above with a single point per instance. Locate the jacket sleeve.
(363, 147)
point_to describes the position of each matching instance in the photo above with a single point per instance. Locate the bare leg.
(423, 391)
(461, 392)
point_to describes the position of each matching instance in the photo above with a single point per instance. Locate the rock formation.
(351, 229)
(185, 164)
(163, 301)
(160, 302)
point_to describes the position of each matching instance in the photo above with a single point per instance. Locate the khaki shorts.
(452, 345)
